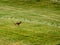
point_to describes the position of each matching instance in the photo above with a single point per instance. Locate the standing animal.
(18, 23)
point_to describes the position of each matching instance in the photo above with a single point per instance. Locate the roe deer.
(18, 23)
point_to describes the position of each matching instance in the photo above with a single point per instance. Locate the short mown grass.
(40, 24)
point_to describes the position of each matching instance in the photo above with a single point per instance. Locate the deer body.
(18, 23)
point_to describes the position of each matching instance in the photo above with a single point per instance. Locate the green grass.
(40, 23)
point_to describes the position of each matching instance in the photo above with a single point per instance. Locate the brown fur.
(18, 23)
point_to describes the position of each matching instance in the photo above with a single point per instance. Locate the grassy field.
(40, 23)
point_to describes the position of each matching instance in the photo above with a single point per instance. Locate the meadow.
(40, 23)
